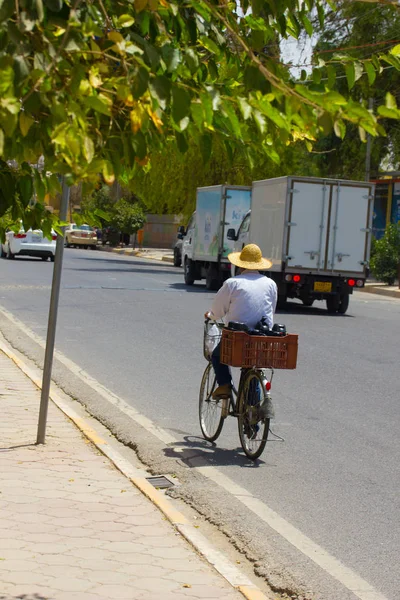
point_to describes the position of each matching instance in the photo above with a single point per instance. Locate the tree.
(128, 218)
(102, 86)
(361, 29)
(385, 261)
(169, 185)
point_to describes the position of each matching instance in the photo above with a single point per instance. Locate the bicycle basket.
(212, 337)
(238, 349)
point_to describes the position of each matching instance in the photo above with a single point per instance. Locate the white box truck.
(205, 244)
(317, 232)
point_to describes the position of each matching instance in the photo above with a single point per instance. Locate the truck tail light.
(288, 278)
(351, 282)
(20, 236)
(296, 278)
(360, 283)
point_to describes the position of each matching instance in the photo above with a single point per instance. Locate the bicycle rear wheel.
(211, 420)
(253, 429)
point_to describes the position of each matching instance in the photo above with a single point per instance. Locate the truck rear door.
(349, 228)
(237, 205)
(307, 224)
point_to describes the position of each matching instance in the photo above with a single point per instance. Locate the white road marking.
(331, 565)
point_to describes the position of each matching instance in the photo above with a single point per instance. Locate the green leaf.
(350, 74)
(303, 75)
(331, 71)
(307, 25)
(370, 70)
(100, 104)
(88, 148)
(40, 187)
(245, 108)
(25, 123)
(317, 76)
(358, 70)
(321, 15)
(339, 128)
(1, 142)
(6, 78)
(125, 21)
(388, 113)
(140, 83)
(172, 57)
(229, 111)
(25, 188)
(180, 104)
(395, 50)
(210, 45)
(390, 101)
(160, 88)
(192, 60)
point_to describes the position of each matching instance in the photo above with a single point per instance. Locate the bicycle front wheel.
(253, 428)
(211, 420)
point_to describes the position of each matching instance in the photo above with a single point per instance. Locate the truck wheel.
(177, 258)
(189, 271)
(344, 304)
(332, 304)
(212, 279)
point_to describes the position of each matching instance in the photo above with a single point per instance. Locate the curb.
(138, 253)
(197, 540)
(380, 291)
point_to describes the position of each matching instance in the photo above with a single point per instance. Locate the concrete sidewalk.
(73, 527)
(374, 287)
(163, 254)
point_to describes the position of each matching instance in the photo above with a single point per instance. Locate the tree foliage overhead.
(101, 86)
(366, 31)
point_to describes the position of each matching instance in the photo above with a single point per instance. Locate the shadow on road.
(191, 289)
(197, 452)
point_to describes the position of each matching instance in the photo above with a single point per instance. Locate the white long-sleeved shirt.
(246, 299)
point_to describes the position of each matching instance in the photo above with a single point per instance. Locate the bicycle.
(251, 403)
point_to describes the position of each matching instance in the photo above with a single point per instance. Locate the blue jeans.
(222, 372)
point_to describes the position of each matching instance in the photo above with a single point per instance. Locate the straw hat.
(250, 258)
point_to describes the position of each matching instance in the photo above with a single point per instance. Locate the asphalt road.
(135, 327)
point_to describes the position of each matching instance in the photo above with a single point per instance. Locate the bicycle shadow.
(196, 452)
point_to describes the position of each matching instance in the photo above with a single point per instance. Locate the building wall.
(160, 231)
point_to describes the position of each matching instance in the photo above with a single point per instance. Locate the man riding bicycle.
(246, 298)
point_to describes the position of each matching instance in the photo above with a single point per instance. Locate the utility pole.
(52, 322)
(368, 153)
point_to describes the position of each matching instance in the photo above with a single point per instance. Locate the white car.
(81, 236)
(29, 243)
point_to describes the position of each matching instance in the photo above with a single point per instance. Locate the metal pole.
(52, 322)
(368, 154)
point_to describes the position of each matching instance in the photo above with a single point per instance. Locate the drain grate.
(160, 481)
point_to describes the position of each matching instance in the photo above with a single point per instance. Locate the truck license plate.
(322, 286)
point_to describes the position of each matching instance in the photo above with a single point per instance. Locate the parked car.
(29, 243)
(80, 236)
(111, 236)
(178, 246)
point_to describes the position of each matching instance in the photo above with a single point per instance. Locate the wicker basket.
(239, 349)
